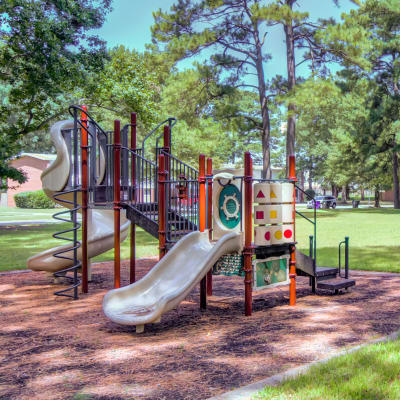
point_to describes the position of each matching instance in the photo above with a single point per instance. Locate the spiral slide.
(100, 222)
(169, 281)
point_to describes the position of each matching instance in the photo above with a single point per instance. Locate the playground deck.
(57, 348)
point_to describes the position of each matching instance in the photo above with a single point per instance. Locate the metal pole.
(346, 257)
(202, 221)
(161, 204)
(209, 218)
(117, 205)
(292, 248)
(311, 239)
(75, 184)
(248, 228)
(132, 263)
(84, 189)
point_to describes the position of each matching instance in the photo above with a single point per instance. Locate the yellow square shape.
(273, 214)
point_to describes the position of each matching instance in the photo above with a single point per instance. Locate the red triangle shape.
(260, 195)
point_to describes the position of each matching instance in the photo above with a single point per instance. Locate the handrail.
(180, 161)
(346, 258)
(92, 120)
(169, 120)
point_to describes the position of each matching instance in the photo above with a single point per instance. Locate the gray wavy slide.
(169, 281)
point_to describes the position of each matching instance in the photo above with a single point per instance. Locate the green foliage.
(45, 52)
(36, 199)
(127, 83)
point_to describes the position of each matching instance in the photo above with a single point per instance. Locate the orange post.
(132, 263)
(248, 228)
(292, 248)
(161, 205)
(84, 190)
(202, 221)
(117, 205)
(209, 218)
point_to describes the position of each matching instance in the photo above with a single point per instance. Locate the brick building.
(33, 165)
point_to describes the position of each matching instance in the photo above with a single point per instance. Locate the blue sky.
(130, 21)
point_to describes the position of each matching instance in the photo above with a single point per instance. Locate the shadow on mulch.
(56, 348)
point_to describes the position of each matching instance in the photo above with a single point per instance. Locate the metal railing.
(182, 194)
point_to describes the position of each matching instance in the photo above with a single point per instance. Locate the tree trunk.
(344, 197)
(377, 198)
(396, 191)
(266, 124)
(362, 193)
(309, 180)
(347, 192)
(291, 75)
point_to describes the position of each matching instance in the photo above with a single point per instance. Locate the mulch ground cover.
(56, 348)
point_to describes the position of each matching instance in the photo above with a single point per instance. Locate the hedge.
(37, 199)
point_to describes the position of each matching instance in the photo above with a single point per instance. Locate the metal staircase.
(139, 182)
(327, 278)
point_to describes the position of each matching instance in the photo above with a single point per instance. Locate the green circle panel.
(227, 196)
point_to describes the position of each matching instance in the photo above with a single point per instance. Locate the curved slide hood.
(169, 281)
(100, 222)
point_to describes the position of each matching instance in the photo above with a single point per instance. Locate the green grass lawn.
(374, 237)
(19, 243)
(23, 214)
(371, 373)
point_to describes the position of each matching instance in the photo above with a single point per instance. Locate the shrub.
(310, 193)
(37, 199)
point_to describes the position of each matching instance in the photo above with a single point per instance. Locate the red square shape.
(259, 214)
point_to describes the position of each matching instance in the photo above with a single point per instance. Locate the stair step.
(336, 284)
(324, 271)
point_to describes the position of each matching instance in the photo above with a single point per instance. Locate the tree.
(231, 30)
(377, 24)
(44, 53)
(127, 83)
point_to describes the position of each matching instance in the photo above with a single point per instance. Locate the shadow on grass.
(372, 258)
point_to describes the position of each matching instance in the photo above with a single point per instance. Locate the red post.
(132, 263)
(248, 228)
(167, 139)
(117, 204)
(292, 248)
(202, 221)
(209, 218)
(161, 205)
(84, 190)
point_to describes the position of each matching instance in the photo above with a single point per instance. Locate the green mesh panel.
(229, 264)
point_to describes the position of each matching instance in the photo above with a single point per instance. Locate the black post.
(346, 257)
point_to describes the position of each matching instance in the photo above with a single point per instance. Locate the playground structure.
(204, 223)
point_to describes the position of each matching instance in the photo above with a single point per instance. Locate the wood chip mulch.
(56, 348)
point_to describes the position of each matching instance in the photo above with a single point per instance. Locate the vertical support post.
(161, 205)
(248, 228)
(311, 240)
(117, 204)
(132, 263)
(209, 218)
(167, 139)
(346, 257)
(84, 189)
(202, 221)
(292, 248)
